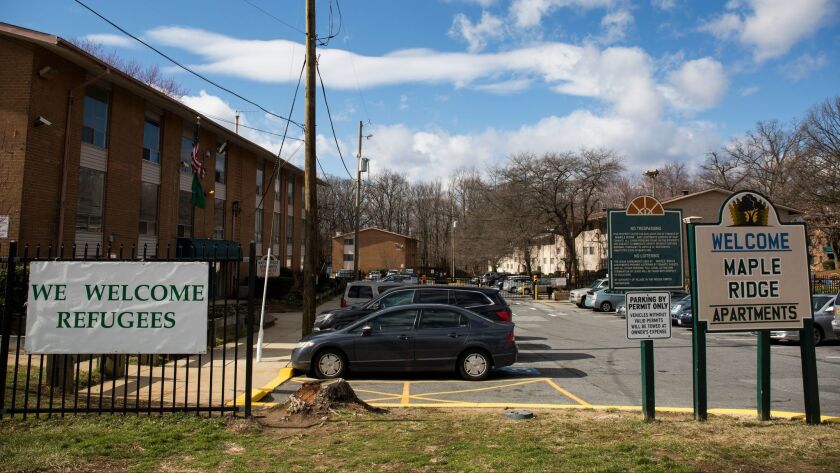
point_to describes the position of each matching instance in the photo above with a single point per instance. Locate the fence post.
(7, 322)
(249, 346)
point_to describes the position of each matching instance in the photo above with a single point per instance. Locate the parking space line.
(370, 391)
(488, 388)
(406, 394)
(566, 393)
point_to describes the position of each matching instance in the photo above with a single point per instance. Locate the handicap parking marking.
(519, 370)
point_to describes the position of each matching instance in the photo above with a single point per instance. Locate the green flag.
(197, 198)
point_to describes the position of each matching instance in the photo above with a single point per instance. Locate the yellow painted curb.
(284, 375)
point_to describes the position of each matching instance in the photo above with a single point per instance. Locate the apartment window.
(89, 208)
(151, 141)
(186, 154)
(260, 177)
(148, 209)
(275, 229)
(186, 212)
(348, 258)
(277, 187)
(95, 117)
(348, 241)
(258, 225)
(221, 164)
(290, 192)
(290, 228)
(219, 219)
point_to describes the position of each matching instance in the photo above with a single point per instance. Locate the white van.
(359, 292)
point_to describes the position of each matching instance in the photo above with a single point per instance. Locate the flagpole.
(262, 309)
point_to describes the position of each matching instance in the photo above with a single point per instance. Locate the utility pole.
(356, 275)
(454, 224)
(310, 199)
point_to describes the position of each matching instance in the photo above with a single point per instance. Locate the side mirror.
(366, 330)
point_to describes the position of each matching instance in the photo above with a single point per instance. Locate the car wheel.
(606, 307)
(474, 365)
(330, 364)
(818, 336)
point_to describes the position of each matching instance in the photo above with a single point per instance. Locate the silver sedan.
(823, 306)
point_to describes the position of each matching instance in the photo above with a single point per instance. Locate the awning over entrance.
(219, 250)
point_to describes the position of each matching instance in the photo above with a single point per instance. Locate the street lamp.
(652, 173)
(454, 225)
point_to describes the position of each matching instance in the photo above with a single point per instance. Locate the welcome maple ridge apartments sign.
(117, 307)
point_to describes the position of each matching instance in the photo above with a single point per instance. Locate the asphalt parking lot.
(574, 357)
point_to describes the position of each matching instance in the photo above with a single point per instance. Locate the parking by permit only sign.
(648, 315)
(752, 270)
(87, 307)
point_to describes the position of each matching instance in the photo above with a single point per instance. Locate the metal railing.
(38, 384)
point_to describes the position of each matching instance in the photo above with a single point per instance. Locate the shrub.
(278, 286)
(829, 265)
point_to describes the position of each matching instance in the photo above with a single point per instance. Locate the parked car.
(344, 274)
(487, 302)
(411, 337)
(359, 292)
(403, 278)
(823, 307)
(681, 312)
(605, 299)
(835, 324)
(577, 296)
(512, 283)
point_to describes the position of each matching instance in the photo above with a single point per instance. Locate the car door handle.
(454, 335)
(405, 337)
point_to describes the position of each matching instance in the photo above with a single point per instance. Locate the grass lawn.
(419, 440)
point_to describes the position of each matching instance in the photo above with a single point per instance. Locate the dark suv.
(486, 302)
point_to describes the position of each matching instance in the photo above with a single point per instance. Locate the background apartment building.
(93, 157)
(378, 249)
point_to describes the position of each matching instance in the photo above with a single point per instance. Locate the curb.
(283, 376)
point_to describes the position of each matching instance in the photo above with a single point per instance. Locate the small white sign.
(117, 307)
(648, 315)
(4, 226)
(273, 268)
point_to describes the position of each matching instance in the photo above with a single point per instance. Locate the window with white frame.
(148, 209)
(95, 117)
(89, 206)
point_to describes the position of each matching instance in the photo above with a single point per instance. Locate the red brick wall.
(15, 83)
(122, 180)
(170, 162)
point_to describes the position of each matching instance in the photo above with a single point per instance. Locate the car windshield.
(818, 301)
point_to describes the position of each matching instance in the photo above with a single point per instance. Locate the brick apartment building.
(378, 249)
(92, 156)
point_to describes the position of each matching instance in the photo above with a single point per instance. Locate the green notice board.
(645, 250)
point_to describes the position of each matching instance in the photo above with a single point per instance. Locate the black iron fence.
(215, 382)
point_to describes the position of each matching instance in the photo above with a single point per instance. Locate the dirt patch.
(322, 397)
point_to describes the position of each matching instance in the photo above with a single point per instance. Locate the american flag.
(196, 164)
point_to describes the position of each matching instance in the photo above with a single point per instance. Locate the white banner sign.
(648, 315)
(117, 307)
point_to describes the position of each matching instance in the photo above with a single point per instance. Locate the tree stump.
(321, 396)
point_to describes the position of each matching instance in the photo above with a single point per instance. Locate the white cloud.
(114, 40)
(663, 4)
(529, 13)
(770, 27)
(747, 91)
(614, 25)
(505, 87)
(803, 66)
(476, 35)
(403, 102)
(697, 84)
(425, 155)
(619, 76)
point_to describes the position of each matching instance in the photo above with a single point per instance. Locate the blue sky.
(449, 84)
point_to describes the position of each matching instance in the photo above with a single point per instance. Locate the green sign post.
(750, 273)
(645, 250)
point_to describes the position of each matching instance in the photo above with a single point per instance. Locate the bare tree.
(721, 170)
(565, 189)
(149, 75)
(819, 184)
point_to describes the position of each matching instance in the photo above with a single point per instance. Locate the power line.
(220, 119)
(327, 104)
(278, 20)
(173, 61)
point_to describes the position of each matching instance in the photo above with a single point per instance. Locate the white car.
(577, 296)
